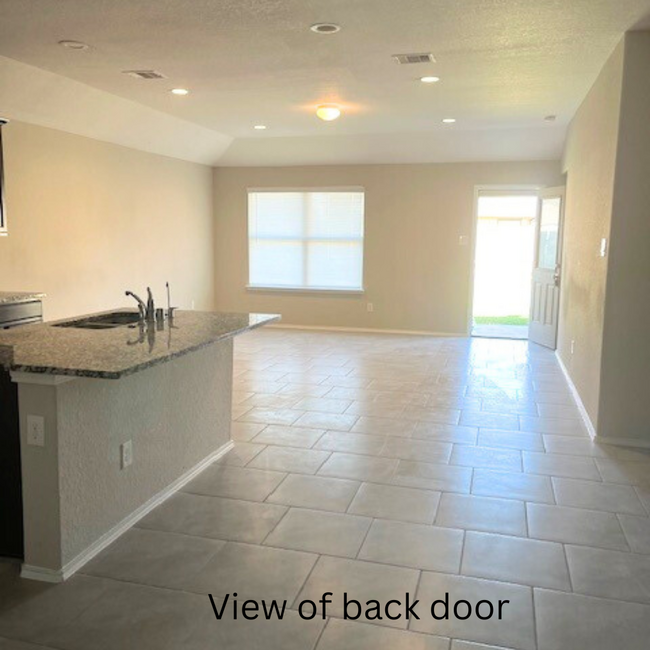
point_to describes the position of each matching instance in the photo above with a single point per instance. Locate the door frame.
(474, 239)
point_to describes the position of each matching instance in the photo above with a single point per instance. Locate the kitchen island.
(113, 419)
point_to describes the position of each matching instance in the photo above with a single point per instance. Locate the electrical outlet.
(573, 346)
(36, 430)
(370, 307)
(126, 454)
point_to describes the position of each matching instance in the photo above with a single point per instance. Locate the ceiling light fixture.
(429, 80)
(449, 120)
(328, 112)
(260, 127)
(74, 45)
(325, 28)
(179, 91)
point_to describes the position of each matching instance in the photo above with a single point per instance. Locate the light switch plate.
(603, 247)
(36, 430)
(126, 454)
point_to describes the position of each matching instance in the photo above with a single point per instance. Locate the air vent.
(405, 59)
(144, 74)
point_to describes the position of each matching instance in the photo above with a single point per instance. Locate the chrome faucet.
(147, 310)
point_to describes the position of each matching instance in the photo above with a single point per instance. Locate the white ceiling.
(504, 65)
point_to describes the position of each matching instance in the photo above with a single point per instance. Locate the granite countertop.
(13, 297)
(120, 351)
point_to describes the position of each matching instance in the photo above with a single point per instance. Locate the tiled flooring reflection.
(378, 465)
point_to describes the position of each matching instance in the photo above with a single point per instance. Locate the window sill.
(314, 290)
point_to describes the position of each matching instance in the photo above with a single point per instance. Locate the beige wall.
(415, 273)
(589, 160)
(625, 404)
(88, 219)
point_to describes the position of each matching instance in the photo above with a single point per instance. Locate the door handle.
(556, 276)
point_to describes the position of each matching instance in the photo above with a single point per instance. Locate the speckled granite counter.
(14, 297)
(114, 353)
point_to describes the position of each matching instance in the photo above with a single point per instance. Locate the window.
(299, 239)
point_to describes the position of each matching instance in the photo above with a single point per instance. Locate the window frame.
(301, 288)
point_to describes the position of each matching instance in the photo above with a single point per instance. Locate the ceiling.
(504, 65)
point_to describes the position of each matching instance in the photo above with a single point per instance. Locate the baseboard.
(623, 442)
(364, 330)
(576, 396)
(43, 574)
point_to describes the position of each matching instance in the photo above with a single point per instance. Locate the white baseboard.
(623, 442)
(364, 330)
(44, 574)
(576, 396)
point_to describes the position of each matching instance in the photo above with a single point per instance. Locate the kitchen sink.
(103, 321)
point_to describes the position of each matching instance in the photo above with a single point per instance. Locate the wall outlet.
(126, 454)
(370, 307)
(36, 430)
(463, 240)
(573, 346)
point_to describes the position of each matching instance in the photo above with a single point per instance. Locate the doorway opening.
(503, 262)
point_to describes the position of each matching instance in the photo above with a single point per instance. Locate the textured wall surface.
(176, 414)
(415, 273)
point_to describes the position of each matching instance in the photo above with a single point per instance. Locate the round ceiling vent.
(325, 28)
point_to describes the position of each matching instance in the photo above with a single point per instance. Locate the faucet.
(147, 310)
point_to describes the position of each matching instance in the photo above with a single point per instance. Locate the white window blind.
(306, 239)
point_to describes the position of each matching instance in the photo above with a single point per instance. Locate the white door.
(545, 293)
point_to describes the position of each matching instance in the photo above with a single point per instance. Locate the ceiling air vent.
(405, 59)
(144, 74)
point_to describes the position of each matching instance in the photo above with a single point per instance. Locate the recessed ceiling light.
(429, 80)
(74, 45)
(328, 112)
(260, 127)
(449, 120)
(179, 91)
(550, 118)
(325, 28)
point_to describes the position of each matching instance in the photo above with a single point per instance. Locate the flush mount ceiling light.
(449, 120)
(328, 112)
(179, 91)
(260, 127)
(74, 45)
(429, 80)
(325, 28)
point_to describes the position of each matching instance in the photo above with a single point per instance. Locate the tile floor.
(377, 465)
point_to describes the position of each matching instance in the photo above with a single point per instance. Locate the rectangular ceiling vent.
(144, 74)
(406, 59)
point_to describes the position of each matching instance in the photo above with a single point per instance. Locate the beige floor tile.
(357, 467)
(624, 472)
(434, 414)
(270, 415)
(156, 558)
(418, 450)
(431, 476)
(376, 409)
(560, 465)
(276, 434)
(637, 532)
(320, 532)
(8, 644)
(489, 420)
(240, 454)
(515, 559)
(358, 443)
(235, 482)
(575, 526)
(597, 496)
(486, 457)
(456, 644)
(510, 440)
(393, 502)
(515, 629)
(352, 635)
(315, 492)
(326, 421)
(481, 513)
(445, 433)
(290, 459)
(253, 572)
(609, 574)
(413, 545)
(570, 445)
(362, 581)
(229, 519)
(384, 426)
(512, 485)
(573, 622)
(245, 431)
(323, 405)
(554, 426)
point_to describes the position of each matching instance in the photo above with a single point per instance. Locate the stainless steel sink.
(103, 321)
